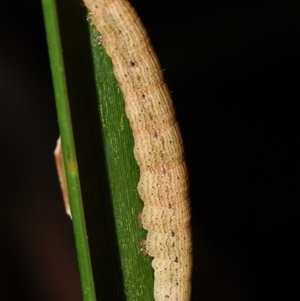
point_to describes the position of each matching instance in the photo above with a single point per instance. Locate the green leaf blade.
(101, 172)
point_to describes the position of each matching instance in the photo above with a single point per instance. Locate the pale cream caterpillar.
(158, 148)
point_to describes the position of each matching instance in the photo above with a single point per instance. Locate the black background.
(233, 70)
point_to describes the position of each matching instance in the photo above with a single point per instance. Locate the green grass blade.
(102, 174)
(66, 130)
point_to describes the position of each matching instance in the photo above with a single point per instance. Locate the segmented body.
(158, 148)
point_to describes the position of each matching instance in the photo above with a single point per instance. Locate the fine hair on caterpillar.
(158, 147)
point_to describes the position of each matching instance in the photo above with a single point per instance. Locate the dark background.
(233, 70)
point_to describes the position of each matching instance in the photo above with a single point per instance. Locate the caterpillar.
(158, 146)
